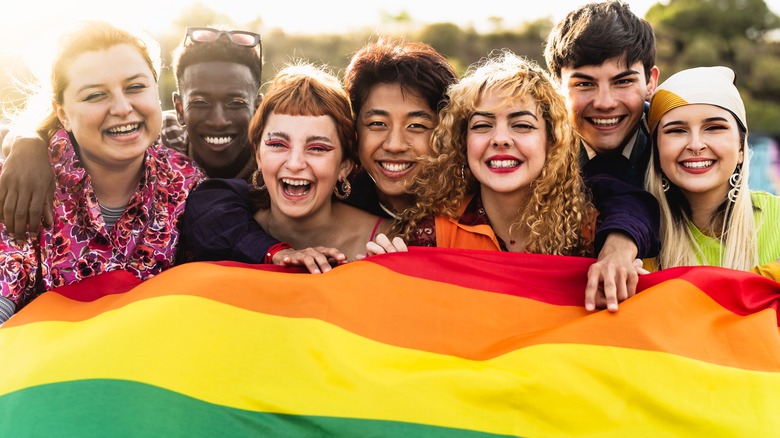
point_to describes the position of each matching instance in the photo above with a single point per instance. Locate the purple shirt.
(79, 245)
(219, 224)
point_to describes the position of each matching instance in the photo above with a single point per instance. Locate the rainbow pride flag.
(433, 343)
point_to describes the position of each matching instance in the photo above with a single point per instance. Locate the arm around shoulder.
(625, 209)
(218, 224)
(26, 187)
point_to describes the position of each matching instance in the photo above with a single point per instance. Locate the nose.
(217, 117)
(604, 99)
(396, 141)
(296, 161)
(696, 145)
(120, 105)
(501, 138)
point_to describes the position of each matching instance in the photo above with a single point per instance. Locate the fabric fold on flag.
(433, 342)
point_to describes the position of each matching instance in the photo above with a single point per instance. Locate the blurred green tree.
(736, 33)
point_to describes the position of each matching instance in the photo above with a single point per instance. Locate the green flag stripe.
(117, 408)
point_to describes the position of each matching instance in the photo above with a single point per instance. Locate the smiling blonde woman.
(699, 174)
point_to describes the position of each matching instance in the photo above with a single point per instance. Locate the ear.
(257, 159)
(179, 107)
(741, 156)
(652, 83)
(346, 168)
(258, 99)
(62, 115)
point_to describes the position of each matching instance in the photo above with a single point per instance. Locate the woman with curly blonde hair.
(505, 174)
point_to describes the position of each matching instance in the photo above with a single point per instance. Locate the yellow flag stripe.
(304, 366)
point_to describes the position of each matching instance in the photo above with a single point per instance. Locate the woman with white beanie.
(699, 173)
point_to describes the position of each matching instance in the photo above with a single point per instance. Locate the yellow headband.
(700, 85)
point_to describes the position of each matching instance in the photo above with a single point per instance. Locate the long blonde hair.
(559, 209)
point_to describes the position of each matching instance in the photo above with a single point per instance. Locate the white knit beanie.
(700, 85)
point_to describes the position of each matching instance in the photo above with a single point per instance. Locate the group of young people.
(316, 173)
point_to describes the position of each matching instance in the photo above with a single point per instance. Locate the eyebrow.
(522, 113)
(707, 120)
(421, 114)
(380, 112)
(318, 138)
(130, 78)
(620, 75)
(309, 139)
(282, 135)
(375, 112)
(512, 115)
(199, 92)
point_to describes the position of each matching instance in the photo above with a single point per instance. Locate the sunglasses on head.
(208, 35)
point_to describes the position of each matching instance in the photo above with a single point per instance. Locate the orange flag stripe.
(477, 325)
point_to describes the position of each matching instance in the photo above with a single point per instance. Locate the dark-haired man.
(603, 57)
(218, 76)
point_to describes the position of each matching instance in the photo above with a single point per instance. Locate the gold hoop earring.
(346, 188)
(665, 184)
(256, 176)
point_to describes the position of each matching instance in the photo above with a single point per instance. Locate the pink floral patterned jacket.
(79, 244)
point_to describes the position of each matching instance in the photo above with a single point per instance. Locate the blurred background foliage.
(741, 34)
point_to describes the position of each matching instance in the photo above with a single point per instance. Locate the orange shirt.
(472, 230)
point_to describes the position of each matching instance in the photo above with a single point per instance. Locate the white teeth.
(503, 164)
(218, 140)
(605, 122)
(295, 182)
(296, 187)
(697, 164)
(395, 167)
(123, 129)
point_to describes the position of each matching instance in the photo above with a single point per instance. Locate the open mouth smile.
(295, 187)
(503, 164)
(395, 167)
(218, 141)
(128, 129)
(605, 122)
(697, 164)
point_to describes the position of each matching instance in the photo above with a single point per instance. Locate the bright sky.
(31, 18)
(301, 16)
(27, 23)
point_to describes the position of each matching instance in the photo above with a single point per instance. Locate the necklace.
(512, 240)
(392, 214)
